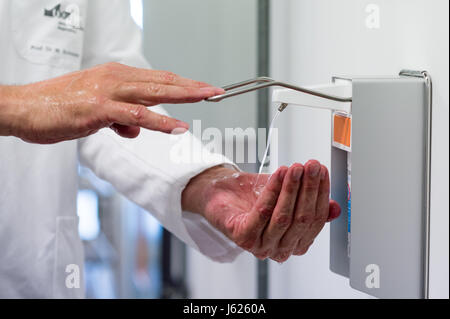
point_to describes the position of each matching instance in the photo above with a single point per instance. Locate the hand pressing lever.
(80, 103)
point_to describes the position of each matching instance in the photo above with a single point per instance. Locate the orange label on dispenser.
(342, 131)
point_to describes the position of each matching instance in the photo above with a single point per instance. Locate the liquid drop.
(269, 137)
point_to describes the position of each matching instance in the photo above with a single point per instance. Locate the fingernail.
(298, 172)
(181, 124)
(208, 91)
(178, 131)
(219, 91)
(314, 169)
(181, 128)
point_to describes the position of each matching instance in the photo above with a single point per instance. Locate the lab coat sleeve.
(153, 169)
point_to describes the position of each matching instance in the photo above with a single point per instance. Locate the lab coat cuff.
(202, 235)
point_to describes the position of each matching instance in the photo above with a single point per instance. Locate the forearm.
(10, 110)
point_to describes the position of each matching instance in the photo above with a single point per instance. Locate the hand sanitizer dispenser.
(380, 176)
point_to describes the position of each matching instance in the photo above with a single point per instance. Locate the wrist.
(10, 110)
(201, 188)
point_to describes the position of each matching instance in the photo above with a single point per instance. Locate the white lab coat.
(39, 239)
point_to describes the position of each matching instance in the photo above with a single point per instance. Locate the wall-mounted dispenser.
(380, 175)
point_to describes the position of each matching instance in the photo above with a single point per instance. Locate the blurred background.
(305, 42)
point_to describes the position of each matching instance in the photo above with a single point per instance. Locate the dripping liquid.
(269, 137)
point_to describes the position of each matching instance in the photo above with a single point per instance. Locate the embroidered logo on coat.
(56, 12)
(69, 17)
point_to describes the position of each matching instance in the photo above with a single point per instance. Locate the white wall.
(209, 280)
(208, 40)
(315, 39)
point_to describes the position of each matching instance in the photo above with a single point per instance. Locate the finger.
(162, 77)
(322, 210)
(261, 212)
(306, 206)
(284, 210)
(282, 256)
(323, 198)
(300, 250)
(335, 211)
(126, 131)
(138, 115)
(154, 93)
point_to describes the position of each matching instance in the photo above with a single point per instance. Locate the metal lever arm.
(265, 82)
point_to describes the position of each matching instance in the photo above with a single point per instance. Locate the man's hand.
(277, 218)
(110, 95)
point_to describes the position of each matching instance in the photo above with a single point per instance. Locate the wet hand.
(278, 217)
(80, 103)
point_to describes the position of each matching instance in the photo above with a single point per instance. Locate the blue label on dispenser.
(349, 201)
(349, 207)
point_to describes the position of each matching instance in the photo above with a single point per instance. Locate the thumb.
(126, 131)
(334, 210)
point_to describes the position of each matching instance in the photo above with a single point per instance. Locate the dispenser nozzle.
(282, 107)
